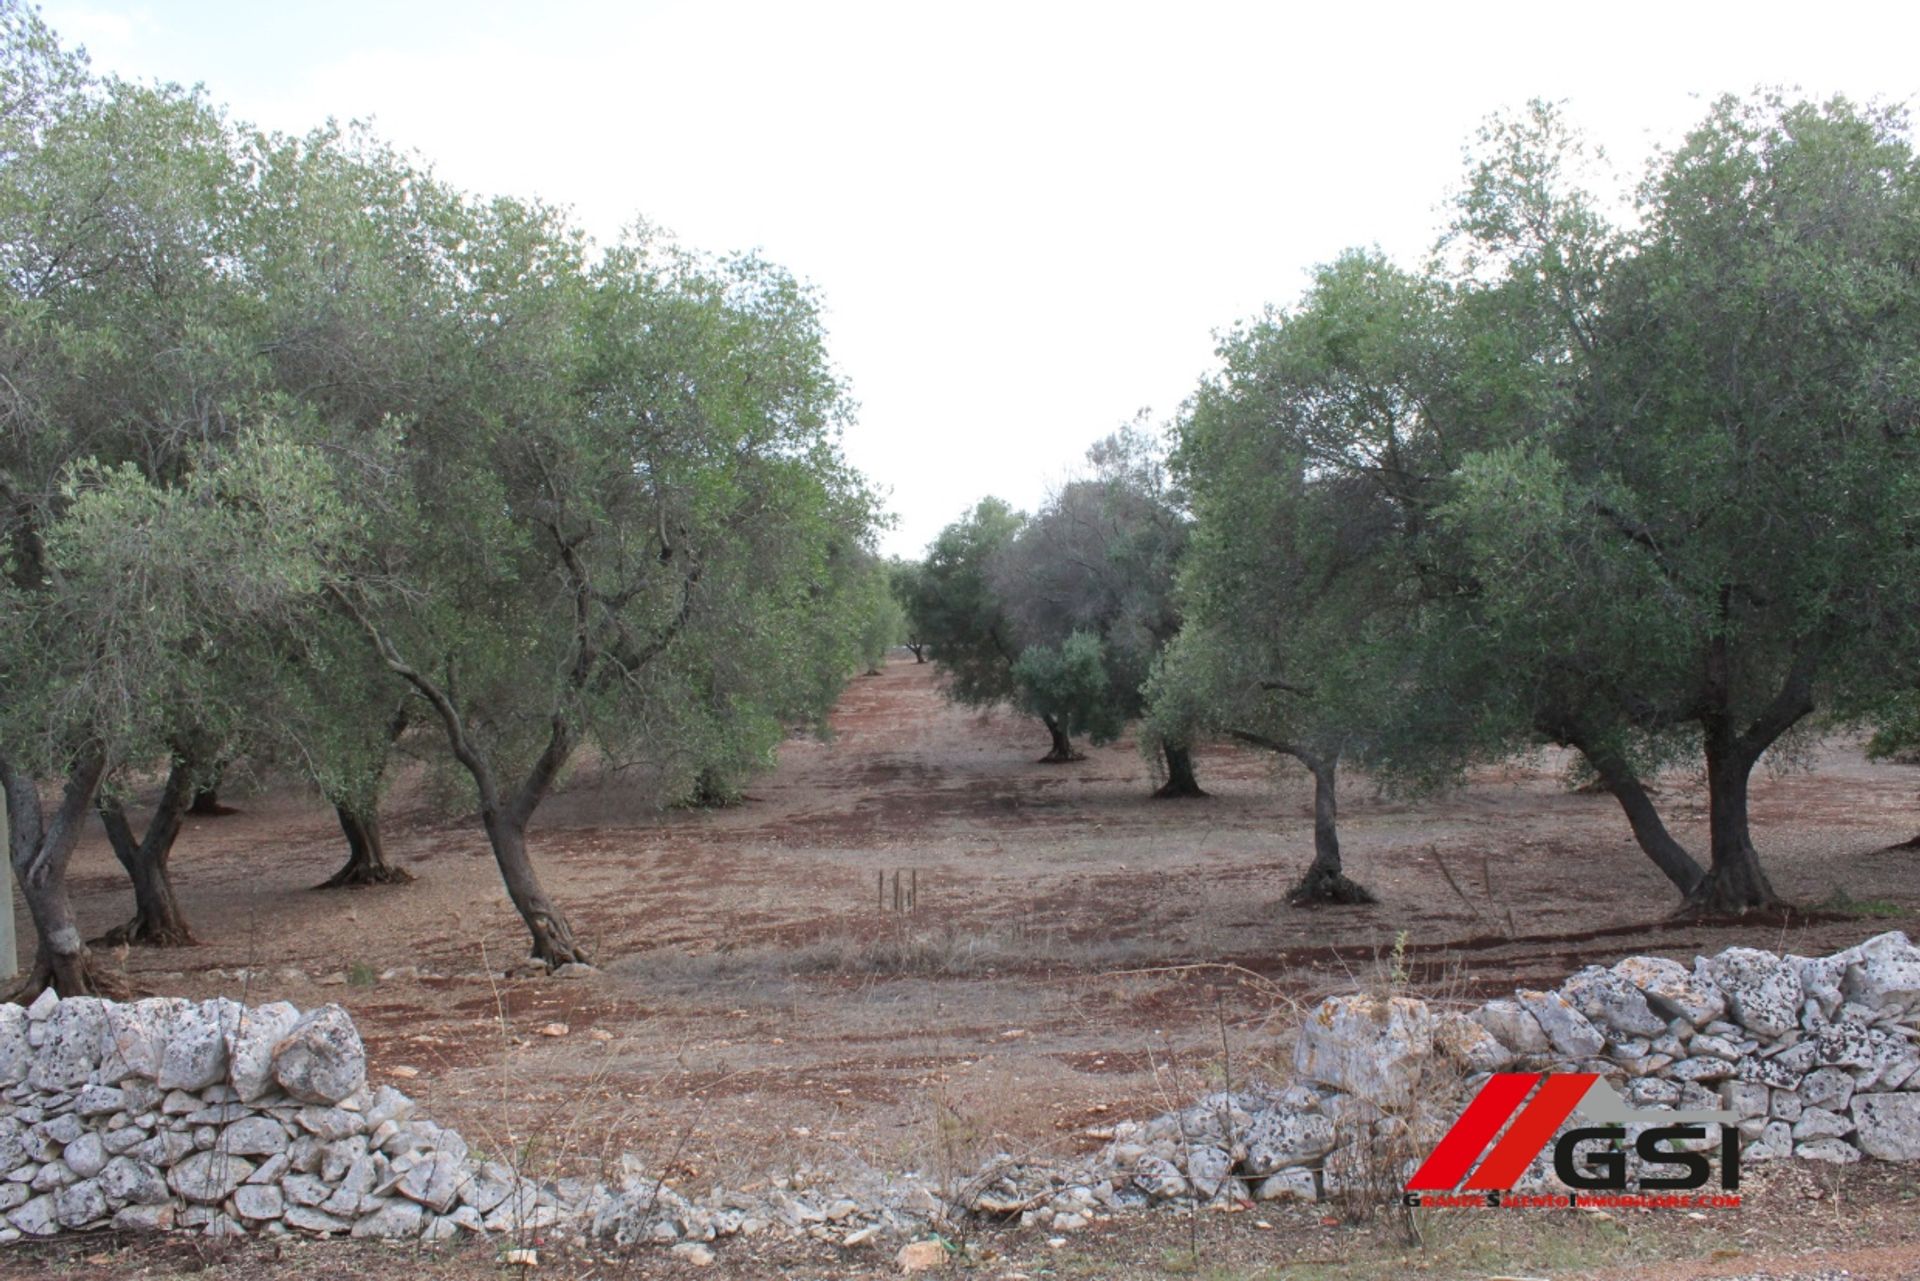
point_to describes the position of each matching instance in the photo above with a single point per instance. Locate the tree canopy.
(303, 447)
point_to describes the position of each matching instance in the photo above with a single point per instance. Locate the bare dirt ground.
(1078, 953)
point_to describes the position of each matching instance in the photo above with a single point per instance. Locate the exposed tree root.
(356, 874)
(1327, 887)
(141, 932)
(82, 976)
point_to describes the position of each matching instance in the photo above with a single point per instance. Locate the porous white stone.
(127, 1180)
(136, 1038)
(392, 1221)
(86, 1156)
(260, 1030)
(1511, 1025)
(307, 1219)
(1277, 1138)
(253, 1136)
(69, 1051)
(1671, 989)
(195, 1055)
(80, 1205)
(1371, 1046)
(144, 1218)
(1569, 1031)
(1888, 1125)
(16, 1054)
(321, 1058)
(1883, 973)
(259, 1201)
(1610, 1001)
(209, 1178)
(1763, 992)
(1827, 1088)
(1469, 1044)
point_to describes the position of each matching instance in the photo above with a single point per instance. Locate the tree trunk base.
(71, 976)
(357, 873)
(1179, 789)
(1731, 891)
(144, 932)
(1057, 757)
(553, 946)
(1912, 843)
(1325, 887)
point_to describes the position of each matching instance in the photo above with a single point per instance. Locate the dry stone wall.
(1815, 1056)
(219, 1118)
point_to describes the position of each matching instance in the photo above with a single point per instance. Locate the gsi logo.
(1456, 1161)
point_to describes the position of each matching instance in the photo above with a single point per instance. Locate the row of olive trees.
(1063, 613)
(1643, 487)
(304, 454)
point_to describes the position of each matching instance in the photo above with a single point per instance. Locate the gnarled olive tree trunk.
(1619, 779)
(1324, 881)
(505, 817)
(366, 852)
(41, 849)
(1734, 881)
(1180, 782)
(1062, 750)
(553, 941)
(157, 918)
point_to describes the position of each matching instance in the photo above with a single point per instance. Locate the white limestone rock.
(1609, 1001)
(1569, 1031)
(1278, 1138)
(1883, 973)
(86, 1156)
(1370, 1046)
(69, 1052)
(321, 1058)
(1510, 1024)
(1888, 1125)
(136, 1037)
(260, 1030)
(135, 1182)
(196, 1052)
(1469, 1044)
(1294, 1184)
(259, 1201)
(253, 1136)
(1671, 989)
(393, 1221)
(16, 1054)
(208, 1178)
(81, 1205)
(1763, 992)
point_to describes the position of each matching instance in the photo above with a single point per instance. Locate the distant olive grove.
(1643, 484)
(305, 454)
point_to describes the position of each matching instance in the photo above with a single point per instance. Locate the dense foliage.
(305, 451)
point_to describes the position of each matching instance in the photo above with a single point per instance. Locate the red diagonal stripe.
(1461, 1146)
(1529, 1133)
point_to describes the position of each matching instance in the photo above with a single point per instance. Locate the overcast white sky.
(1027, 220)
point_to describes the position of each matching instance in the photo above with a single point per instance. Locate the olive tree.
(130, 354)
(1088, 584)
(617, 538)
(1307, 460)
(959, 610)
(1708, 531)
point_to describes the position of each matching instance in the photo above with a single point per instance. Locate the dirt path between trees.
(1077, 952)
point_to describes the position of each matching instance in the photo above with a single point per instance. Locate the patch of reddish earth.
(1078, 952)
